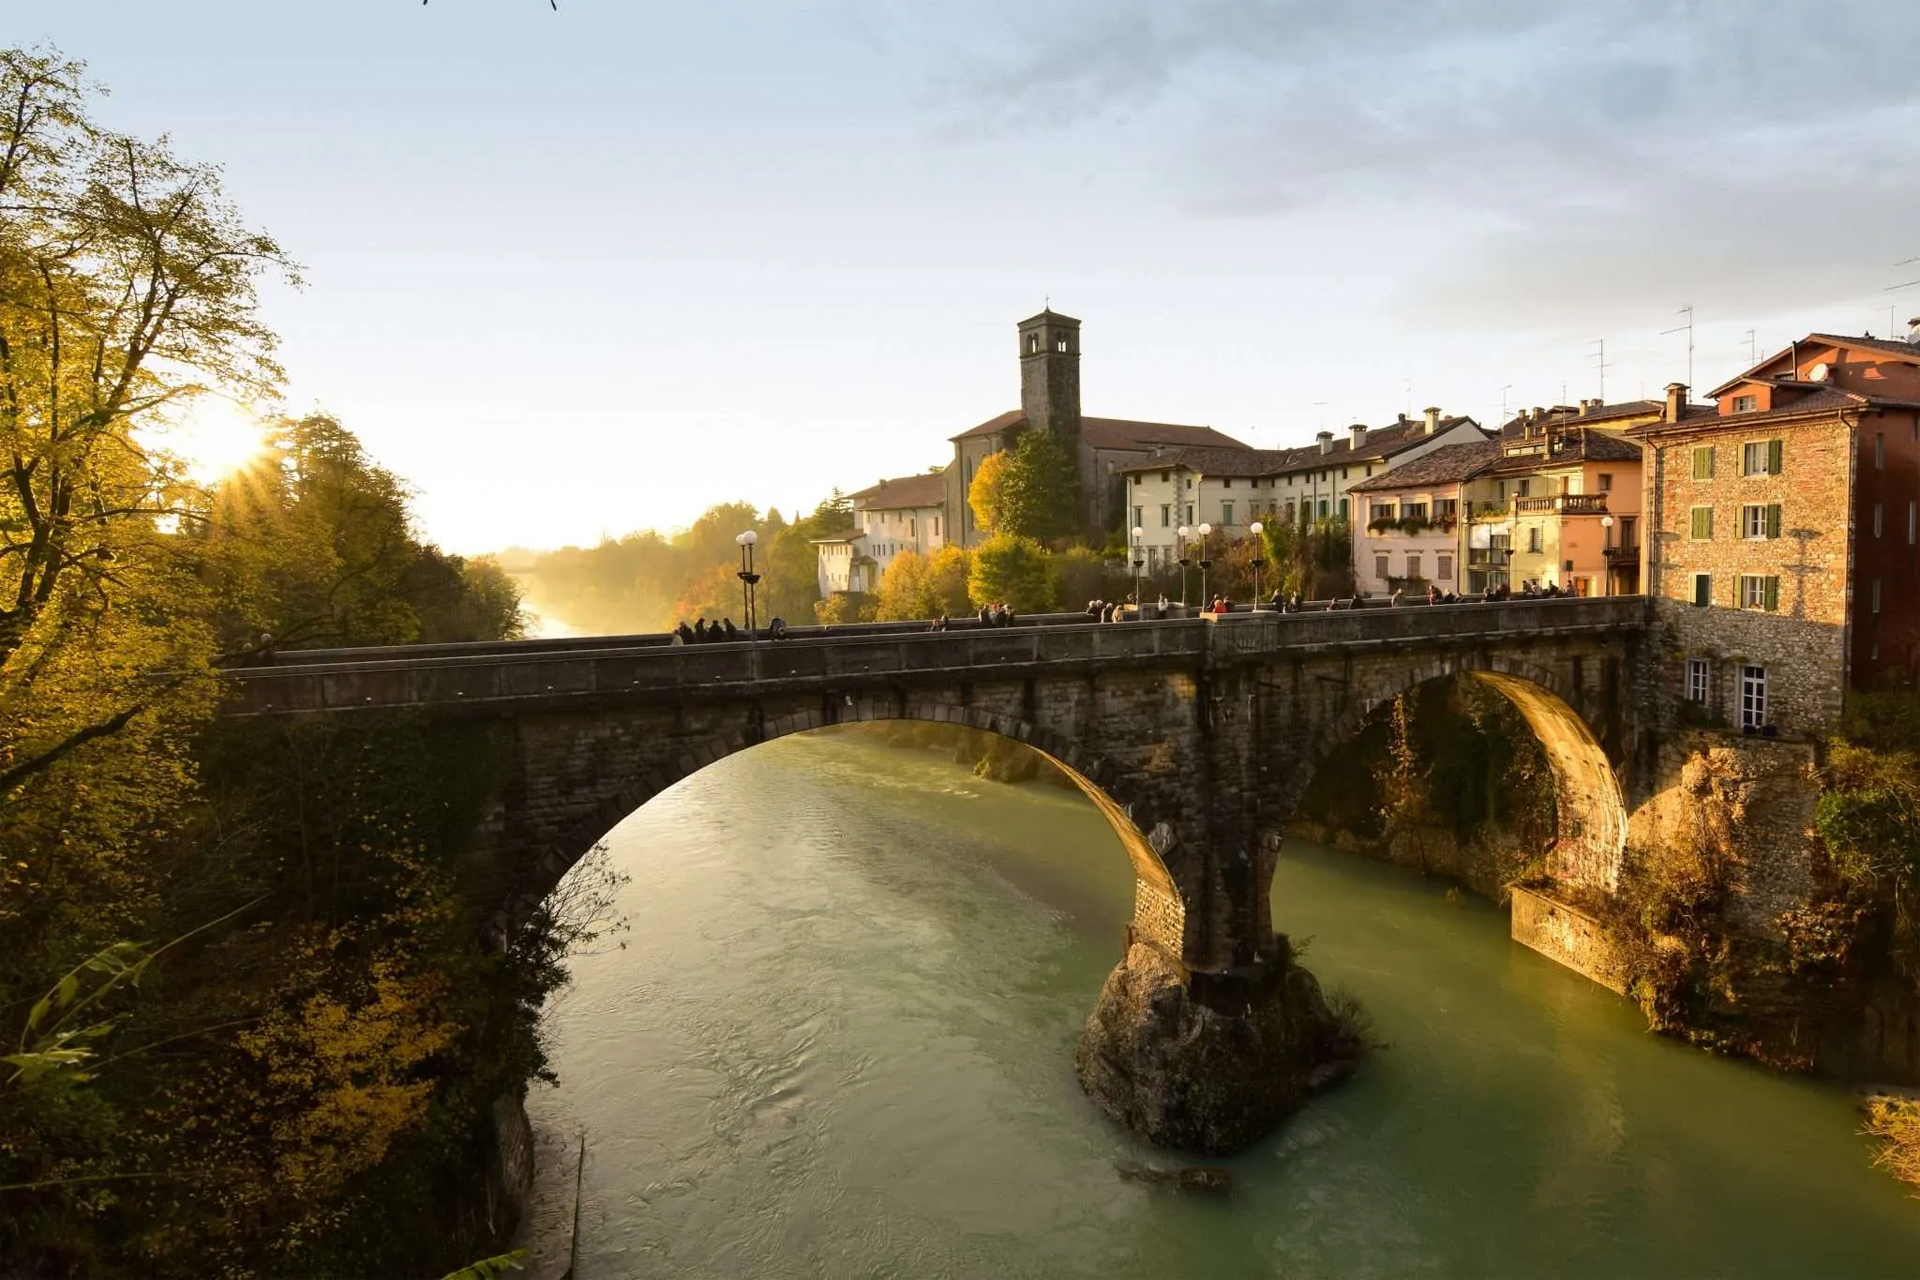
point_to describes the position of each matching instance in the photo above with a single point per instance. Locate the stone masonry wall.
(1802, 645)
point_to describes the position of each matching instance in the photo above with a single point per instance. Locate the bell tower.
(1050, 374)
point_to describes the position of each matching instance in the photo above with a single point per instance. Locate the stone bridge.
(1196, 737)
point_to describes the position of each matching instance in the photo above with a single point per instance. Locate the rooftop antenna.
(1321, 405)
(1752, 358)
(1407, 386)
(1904, 262)
(1686, 311)
(1600, 362)
(1503, 402)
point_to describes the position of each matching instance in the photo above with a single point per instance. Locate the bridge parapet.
(535, 672)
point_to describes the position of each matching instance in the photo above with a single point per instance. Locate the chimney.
(1676, 400)
(1358, 433)
(1433, 420)
(1326, 441)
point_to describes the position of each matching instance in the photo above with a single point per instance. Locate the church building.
(1049, 347)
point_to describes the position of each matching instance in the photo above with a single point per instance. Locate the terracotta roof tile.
(928, 489)
(1117, 433)
(1445, 465)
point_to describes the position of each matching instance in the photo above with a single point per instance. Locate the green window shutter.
(1773, 520)
(1702, 463)
(1773, 594)
(1773, 457)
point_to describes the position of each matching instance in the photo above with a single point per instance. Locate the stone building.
(1784, 526)
(1049, 347)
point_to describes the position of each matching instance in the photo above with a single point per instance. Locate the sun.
(217, 438)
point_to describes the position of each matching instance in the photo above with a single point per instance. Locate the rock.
(1184, 1075)
(1202, 1178)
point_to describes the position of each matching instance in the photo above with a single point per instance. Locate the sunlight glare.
(217, 438)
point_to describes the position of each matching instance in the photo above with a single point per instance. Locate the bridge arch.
(1160, 907)
(1590, 804)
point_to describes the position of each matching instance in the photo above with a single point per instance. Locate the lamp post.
(1606, 561)
(1205, 531)
(1180, 544)
(747, 576)
(1139, 561)
(1256, 529)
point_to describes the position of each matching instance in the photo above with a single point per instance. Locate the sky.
(577, 273)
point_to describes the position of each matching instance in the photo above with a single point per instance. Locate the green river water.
(839, 1038)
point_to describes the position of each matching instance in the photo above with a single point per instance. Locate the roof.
(1116, 433)
(1826, 400)
(1570, 415)
(928, 489)
(1575, 446)
(1382, 443)
(837, 539)
(1895, 347)
(1449, 464)
(1215, 462)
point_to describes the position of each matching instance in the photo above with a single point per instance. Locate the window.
(1323, 508)
(1697, 680)
(1879, 451)
(1703, 462)
(913, 527)
(1606, 482)
(1343, 508)
(936, 526)
(1702, 524)
(1226, 513)
(1416, 511)
(1757, 592)
(1443, 567)
(1874, 592)
(1413, 564)
(1165, 476)
(1380, 567)
(1745, 404)
(1760, 458)
(1757, 521)
(1138, 512)
(1226, 482)
(1702, 590)
(1753, 697)
(1343, 473)
(1533, 539)
(1166, 514)
(1629, 531)
(1876, 519)
(1189, 519)
(1526, 485)
(1445, 507)
(1383, 510)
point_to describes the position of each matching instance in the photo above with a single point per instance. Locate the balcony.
(1489, 557)
(1564, 504)
(1628, 554)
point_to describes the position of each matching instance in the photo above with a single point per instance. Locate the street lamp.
(746, 575)
(1256, 529)
(1139, 560)
(1180, 540)
(1205, 531)
(1606, 561)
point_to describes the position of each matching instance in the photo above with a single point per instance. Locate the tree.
(904, 590)
(845, 606)
(1082, 574)
(1016, 571)
(986, 496)
(1039, 489)
(946, 584)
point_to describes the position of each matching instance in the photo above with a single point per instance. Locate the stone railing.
(539, 672)
(1566, 504)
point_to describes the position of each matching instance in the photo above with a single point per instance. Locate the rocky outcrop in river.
(1214, 1072)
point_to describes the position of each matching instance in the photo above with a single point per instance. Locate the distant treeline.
(648, 581)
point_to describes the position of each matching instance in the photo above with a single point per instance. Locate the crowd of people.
(704, 632)
(996, 614)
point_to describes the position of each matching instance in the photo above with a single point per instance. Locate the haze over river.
(839, 1039)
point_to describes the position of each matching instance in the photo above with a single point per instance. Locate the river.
(838, 1042)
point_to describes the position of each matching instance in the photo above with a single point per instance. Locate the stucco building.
(1785, 526)
(1409, 530)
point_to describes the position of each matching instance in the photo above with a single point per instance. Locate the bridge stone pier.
(1196, 738)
